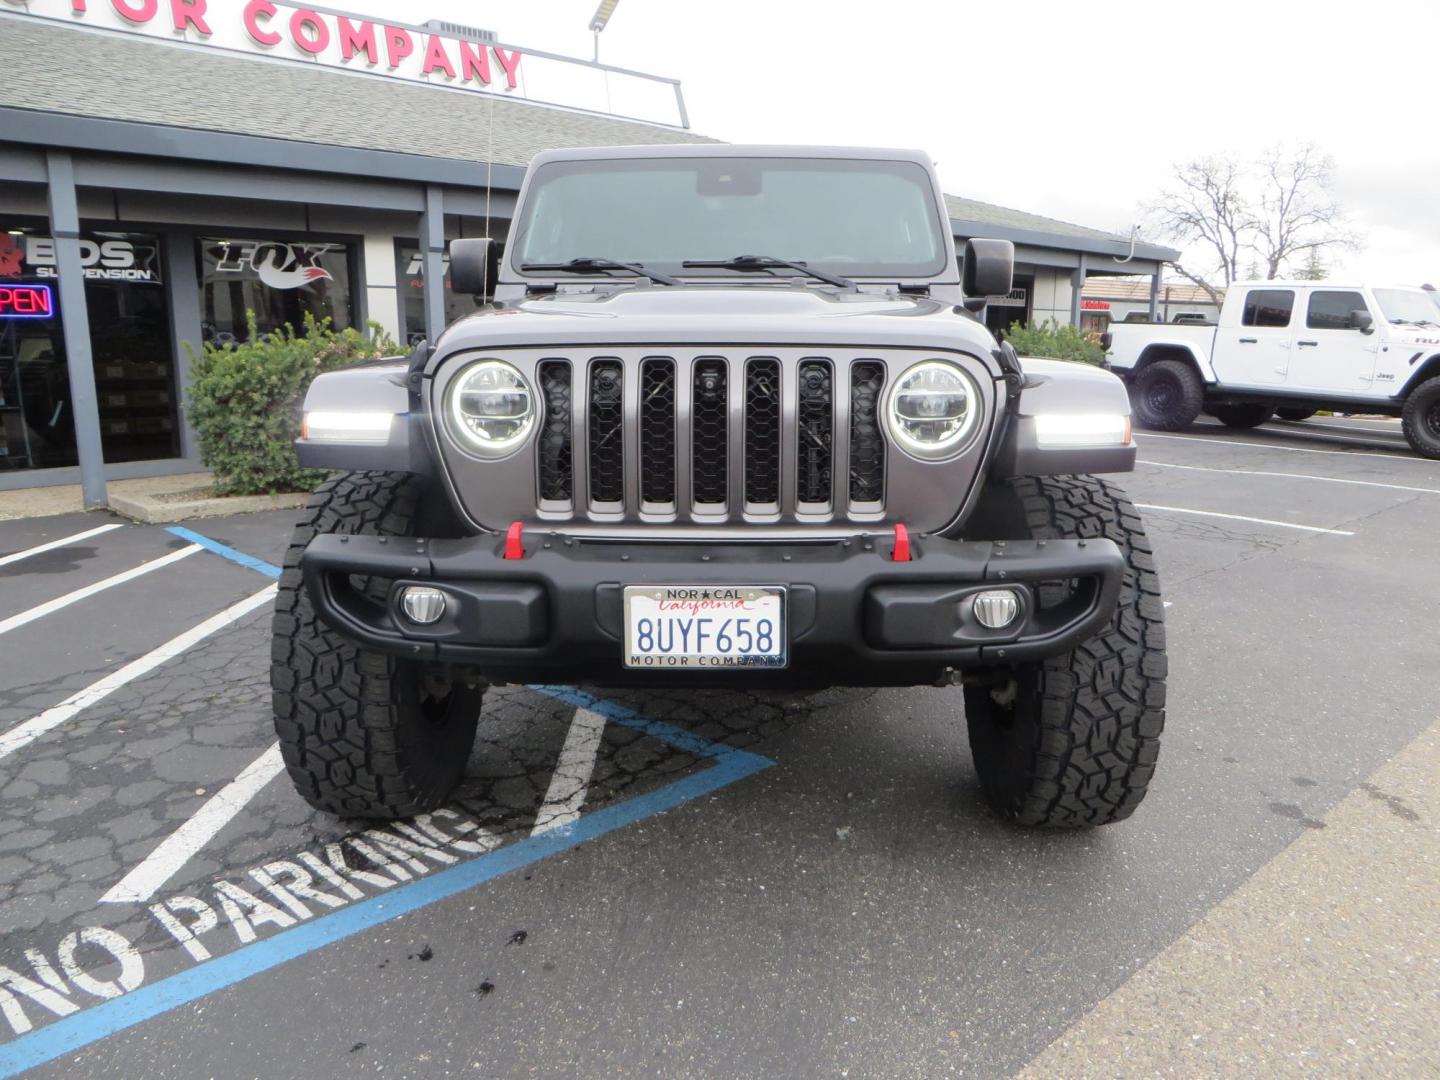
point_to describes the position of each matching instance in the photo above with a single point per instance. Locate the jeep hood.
(721, 314)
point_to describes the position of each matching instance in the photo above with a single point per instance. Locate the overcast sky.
(1075, 111)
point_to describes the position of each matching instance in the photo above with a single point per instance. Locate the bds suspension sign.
(402, 51)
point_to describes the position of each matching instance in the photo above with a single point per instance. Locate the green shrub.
(245, 400)
(1053, 340)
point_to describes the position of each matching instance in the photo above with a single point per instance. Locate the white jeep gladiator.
(1289, 348)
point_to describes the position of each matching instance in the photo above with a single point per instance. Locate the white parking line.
(1313, 431)
(25, 733)
(69, 598)
(176, 849)
(53, 544)
(571, 779)
(1290, 476)
(1392, 429)
(1278, 446)
(1242, 517)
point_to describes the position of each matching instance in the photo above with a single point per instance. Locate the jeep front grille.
(762, 434)
(867, 448)
(607, 432)
(711, 438)
(657, 431)
(710, 432)
(556, 474)
(815, 417)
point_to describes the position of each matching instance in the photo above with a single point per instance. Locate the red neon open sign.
(26, 302)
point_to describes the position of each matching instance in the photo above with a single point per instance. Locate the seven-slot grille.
(712, 435)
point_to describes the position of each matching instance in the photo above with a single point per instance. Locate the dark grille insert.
(556, 437)
(815, 415)
(867, 448)
(657, 430)
(709, 417)
(607, 443)
(762, 431)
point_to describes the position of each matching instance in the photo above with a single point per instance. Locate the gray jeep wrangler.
(730, 420)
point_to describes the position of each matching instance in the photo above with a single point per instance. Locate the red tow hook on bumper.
(901, 551)
(514, 544)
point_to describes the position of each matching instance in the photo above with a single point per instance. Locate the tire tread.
(335, 706)
(1101, 707)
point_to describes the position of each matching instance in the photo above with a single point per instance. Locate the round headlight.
(933, 409)
(492, 409)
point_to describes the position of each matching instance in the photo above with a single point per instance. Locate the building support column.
(75, 322)
(432, 270)
(1155, 293)
(1077, 286)
(185, 327)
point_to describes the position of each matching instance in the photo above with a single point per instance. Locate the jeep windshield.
(1407, 306)
(856, 218)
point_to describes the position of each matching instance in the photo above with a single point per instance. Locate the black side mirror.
(474, 265)
(1361, 320)
(989, 267)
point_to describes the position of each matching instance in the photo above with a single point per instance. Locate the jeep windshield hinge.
(1013, 373)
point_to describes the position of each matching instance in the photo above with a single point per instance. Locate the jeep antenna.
(489, 157)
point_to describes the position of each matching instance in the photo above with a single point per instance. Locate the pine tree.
(1314, 269)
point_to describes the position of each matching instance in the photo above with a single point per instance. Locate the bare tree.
(1206, 207)
(1275, 210)
(1297, 214)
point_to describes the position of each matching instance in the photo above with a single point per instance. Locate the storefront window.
(281, 281)
(1002, 312)
(409, 274)
(130, 344)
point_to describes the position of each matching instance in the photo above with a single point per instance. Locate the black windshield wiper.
(769, 262)
(601, 266)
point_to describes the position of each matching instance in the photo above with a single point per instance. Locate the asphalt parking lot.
(720, 884)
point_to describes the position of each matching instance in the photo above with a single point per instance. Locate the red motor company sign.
(301, 33)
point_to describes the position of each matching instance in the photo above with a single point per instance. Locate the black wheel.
(363, 734)
(1241, 416)
(1167, 395)
(1421, 418)
(1072, 741)
(1295, 414)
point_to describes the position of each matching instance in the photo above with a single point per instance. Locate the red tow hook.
(901, 552)
(514, 546)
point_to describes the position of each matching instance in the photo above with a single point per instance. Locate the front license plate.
(684, 627)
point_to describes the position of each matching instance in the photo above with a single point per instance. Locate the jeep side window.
(1268, 307)
(1330, 309)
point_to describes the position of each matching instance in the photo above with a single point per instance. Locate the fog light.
(422, 604)
(995, 609)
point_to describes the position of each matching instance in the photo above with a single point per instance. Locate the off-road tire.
(1241, 416)
(1072, 741)
(363, 734)
(1167, 395)
(1420, 420)
(1294, 415)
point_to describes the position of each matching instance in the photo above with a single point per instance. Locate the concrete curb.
(149, 510)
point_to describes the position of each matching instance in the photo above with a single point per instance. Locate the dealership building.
(168, 167)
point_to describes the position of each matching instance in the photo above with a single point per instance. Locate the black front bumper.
(855, 616)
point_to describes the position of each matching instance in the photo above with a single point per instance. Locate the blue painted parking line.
(81, 1029)
(146, 1001)
(224, 551)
